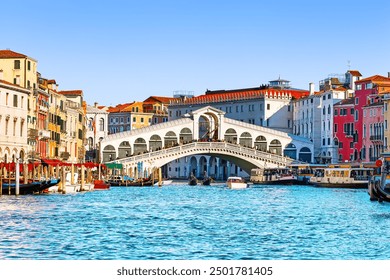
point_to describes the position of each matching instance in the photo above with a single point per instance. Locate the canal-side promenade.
(199, 223)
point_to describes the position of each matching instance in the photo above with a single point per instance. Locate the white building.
(266, 105)
(13, 122)
(97, 130)
(313, 119)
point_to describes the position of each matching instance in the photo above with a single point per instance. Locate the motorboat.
(304, 171)
(163, 183)
(236, 183)
(342, 177)
(101, 185)
(273, 176)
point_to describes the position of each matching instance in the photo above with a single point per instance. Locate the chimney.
(95, 105)
(311, 88)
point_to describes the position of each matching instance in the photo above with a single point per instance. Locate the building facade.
(96, 131)
(13, 122)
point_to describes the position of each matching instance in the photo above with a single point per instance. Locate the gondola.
(134, 183)
(379, 186)
(192, 181)
(28, 188)
(206, 181)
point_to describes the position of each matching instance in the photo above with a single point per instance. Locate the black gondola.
(29, 188)
(192, 181)
(379, 186)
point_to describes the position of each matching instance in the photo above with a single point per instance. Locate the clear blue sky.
(122, 51)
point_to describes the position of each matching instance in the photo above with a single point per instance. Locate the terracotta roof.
(375, 104)
(340, 89)
(71, 92)
(11, 54)
(242, 94)
(119, 108)
(355, 73)
(52, 81)
(375, 78)
(161, 99)
(349, 101)
(11, 84)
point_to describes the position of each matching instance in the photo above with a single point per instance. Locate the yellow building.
(57, 123)
(21, 70)
(73, 149)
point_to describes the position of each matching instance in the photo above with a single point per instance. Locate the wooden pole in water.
(25, 172)
(72, 174)
(17, 177)
(1, 181)
(63, 178)
(159, 177)
(82, 177)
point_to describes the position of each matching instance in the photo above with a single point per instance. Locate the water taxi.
(304, 171)
(342, 177)
(273, 176)
(236, 183)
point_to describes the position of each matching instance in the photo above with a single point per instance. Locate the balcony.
(377, 139)
(43, 108)
(44, 134)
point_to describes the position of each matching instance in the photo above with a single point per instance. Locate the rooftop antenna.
(349, 64)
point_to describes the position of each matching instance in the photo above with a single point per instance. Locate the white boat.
(273, 176)
(87, 187)
(68, 187)
(236, 183)
(164, 182)
(342, 177)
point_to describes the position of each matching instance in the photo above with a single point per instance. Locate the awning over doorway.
(113, 165)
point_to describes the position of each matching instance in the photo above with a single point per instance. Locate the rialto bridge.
(204, 132)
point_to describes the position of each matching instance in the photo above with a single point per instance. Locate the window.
(356, 100)
(134, 119)
(142, 120)
(28, 65)
(369, 86)
(335, 127)
(351, 144)
(329, 96)
(268, 106)
(340, 145)
(335, 112)
(323, 142)
(356, 115)
(16, 64)
(352, 111)
(358, 87)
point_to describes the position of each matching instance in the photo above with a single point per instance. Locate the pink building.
(372, 134)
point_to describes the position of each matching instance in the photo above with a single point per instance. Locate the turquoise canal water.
(187, 222)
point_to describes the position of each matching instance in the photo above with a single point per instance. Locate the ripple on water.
(182, 222)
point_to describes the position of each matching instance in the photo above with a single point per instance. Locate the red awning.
(53, 162)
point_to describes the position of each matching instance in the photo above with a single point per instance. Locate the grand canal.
(186, 222)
